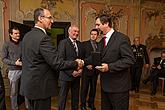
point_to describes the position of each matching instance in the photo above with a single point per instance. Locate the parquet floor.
(138, 101)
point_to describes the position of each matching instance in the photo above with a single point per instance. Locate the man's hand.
(103, 68)
(77, 73)
(159, 67)
(90, 67)
(80, 63)
(18, 62)
(147, 65)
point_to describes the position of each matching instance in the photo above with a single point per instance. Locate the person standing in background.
(116, 58)
(41, 62)
(11, 55)
(70, 49)
(2, 93)
(141, 55)
(90, 74)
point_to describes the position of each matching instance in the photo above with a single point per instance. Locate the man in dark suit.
(157, 70)
(40, 59)
(90, 74)
(116, 57)
(141, 56)
(2, 93)
(70, 49)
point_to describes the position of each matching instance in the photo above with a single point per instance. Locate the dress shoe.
(153, 93)
(91, 107)
(83, 108)
(137, 90)
(132, 89)
(145, 81)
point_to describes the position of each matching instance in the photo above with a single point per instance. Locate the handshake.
(80, 63)
(79, 69)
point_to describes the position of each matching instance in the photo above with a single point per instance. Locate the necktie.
(94, 45)
(75, 47)
(104, 40)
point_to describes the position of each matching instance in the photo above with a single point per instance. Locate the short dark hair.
(105, 19)
(95, 30)
(163, 51)
(38, 12)
(10, 30)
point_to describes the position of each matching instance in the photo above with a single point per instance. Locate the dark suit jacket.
(157, 62)
(119, 57)
(67, 52)
(87, 53)
(39, 58)
(140, 49)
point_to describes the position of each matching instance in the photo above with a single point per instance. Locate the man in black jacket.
(90, 74)
(116, 58)
(141, 55)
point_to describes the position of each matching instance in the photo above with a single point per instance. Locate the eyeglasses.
(49, 17)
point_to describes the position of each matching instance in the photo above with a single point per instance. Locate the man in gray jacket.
(11, 55)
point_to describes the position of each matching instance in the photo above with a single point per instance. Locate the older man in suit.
(40, 59)
(70, 49)
(117, 57)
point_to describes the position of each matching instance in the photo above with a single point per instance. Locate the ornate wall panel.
(60, 9)
(2, 5)
(88, 18)
(152, 22)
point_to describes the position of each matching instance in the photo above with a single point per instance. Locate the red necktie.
(104, 40)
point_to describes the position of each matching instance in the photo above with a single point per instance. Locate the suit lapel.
(79, 47)
(109, 43)
(90, 45)
(70, 43)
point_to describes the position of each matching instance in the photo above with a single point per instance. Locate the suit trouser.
(14, 76)
(2, 94)
(136, 72)
(65, 86)
(86, 83)
(39, 104)
(154, 78)
(114, 101)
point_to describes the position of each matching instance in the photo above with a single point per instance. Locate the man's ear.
(40, 18)
(107, 23)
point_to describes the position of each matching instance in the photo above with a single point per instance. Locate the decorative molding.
(155, 42)
(19, 15)
(114, 15)
(152, 23)
(120, 13)
(2, 10)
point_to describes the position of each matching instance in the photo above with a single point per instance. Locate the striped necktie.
(75, 47)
